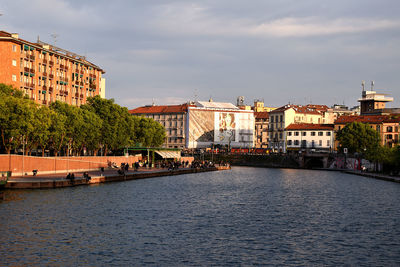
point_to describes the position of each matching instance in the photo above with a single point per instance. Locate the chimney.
(15, 35)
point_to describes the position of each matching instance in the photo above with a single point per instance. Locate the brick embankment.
(97, 177)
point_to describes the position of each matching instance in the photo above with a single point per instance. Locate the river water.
(242, 217)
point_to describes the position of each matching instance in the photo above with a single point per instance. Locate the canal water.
(242, 217)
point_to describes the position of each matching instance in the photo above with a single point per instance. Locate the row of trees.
(360, 138)
(99, 124)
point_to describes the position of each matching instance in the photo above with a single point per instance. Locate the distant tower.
(240, 101)
(371, 101)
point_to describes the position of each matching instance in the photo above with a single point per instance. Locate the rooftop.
(373, 119)
(39, 45)
(309, 126)
(160, 109)
(219, 105)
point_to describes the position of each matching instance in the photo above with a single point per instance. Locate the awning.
(169, 154)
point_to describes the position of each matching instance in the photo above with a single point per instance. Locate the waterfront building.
(219, 124)
(305, 136)
(282, 117)
(172, 117)
(46, 73)
(386, 125)
(261, 129)
(203, 124)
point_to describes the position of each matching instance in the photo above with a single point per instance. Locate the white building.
(305, 136)
(215, 123)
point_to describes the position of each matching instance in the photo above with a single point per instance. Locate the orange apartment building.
(47, 73)
(387, 126)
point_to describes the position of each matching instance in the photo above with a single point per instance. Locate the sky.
(170, 52)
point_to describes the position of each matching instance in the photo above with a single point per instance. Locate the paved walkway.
(79, 175)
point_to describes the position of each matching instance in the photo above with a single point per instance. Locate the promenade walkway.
(108, 175)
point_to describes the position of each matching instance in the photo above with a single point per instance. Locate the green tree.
(359, 137)
(116, 125)
(39, 136)
(148, 132)
(16, 119)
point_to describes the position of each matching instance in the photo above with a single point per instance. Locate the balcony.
(32, 70)
(44, 61)
(26, 69)
(32, 57)
(44, 74)
(44, 87)
(81, 96)
(51, 76)
(76, 94)
(44, 102)
(61, 66)
(50, 89)
(29, 85)
(51, 63)
(82, 72)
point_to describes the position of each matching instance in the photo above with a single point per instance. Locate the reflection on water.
(246, 216)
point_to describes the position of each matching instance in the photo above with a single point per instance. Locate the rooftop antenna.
(54, 35)
(363, 93)
(153, 104)
(195, 95)
(372, 85)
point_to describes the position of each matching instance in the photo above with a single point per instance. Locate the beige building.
(172, 117)
(282, 117)
(261, 129)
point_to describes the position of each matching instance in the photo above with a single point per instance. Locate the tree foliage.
(62, 127)
(358, 137)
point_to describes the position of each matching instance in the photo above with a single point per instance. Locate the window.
(280, 135)
(304, 133)
(389, 129)
(296, 142)
(320, 142)
(328, 133)
(320, 133)
(328, 143)
(14, 62)
(312, 133)
(296, 133)
(289, 142)
(280, 118)
(304, 143)
(14, 78)
(272, 119)
(289, 133)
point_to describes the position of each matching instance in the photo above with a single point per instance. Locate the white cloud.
(189, 19)
(314, 26)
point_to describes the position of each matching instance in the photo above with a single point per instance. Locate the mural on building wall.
(201, 126)
(225, 127)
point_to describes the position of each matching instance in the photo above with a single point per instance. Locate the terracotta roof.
(160, 109)
(373, 119)
(261, 115)
(309, 126)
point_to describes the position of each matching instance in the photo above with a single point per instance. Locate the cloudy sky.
(297, 51)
